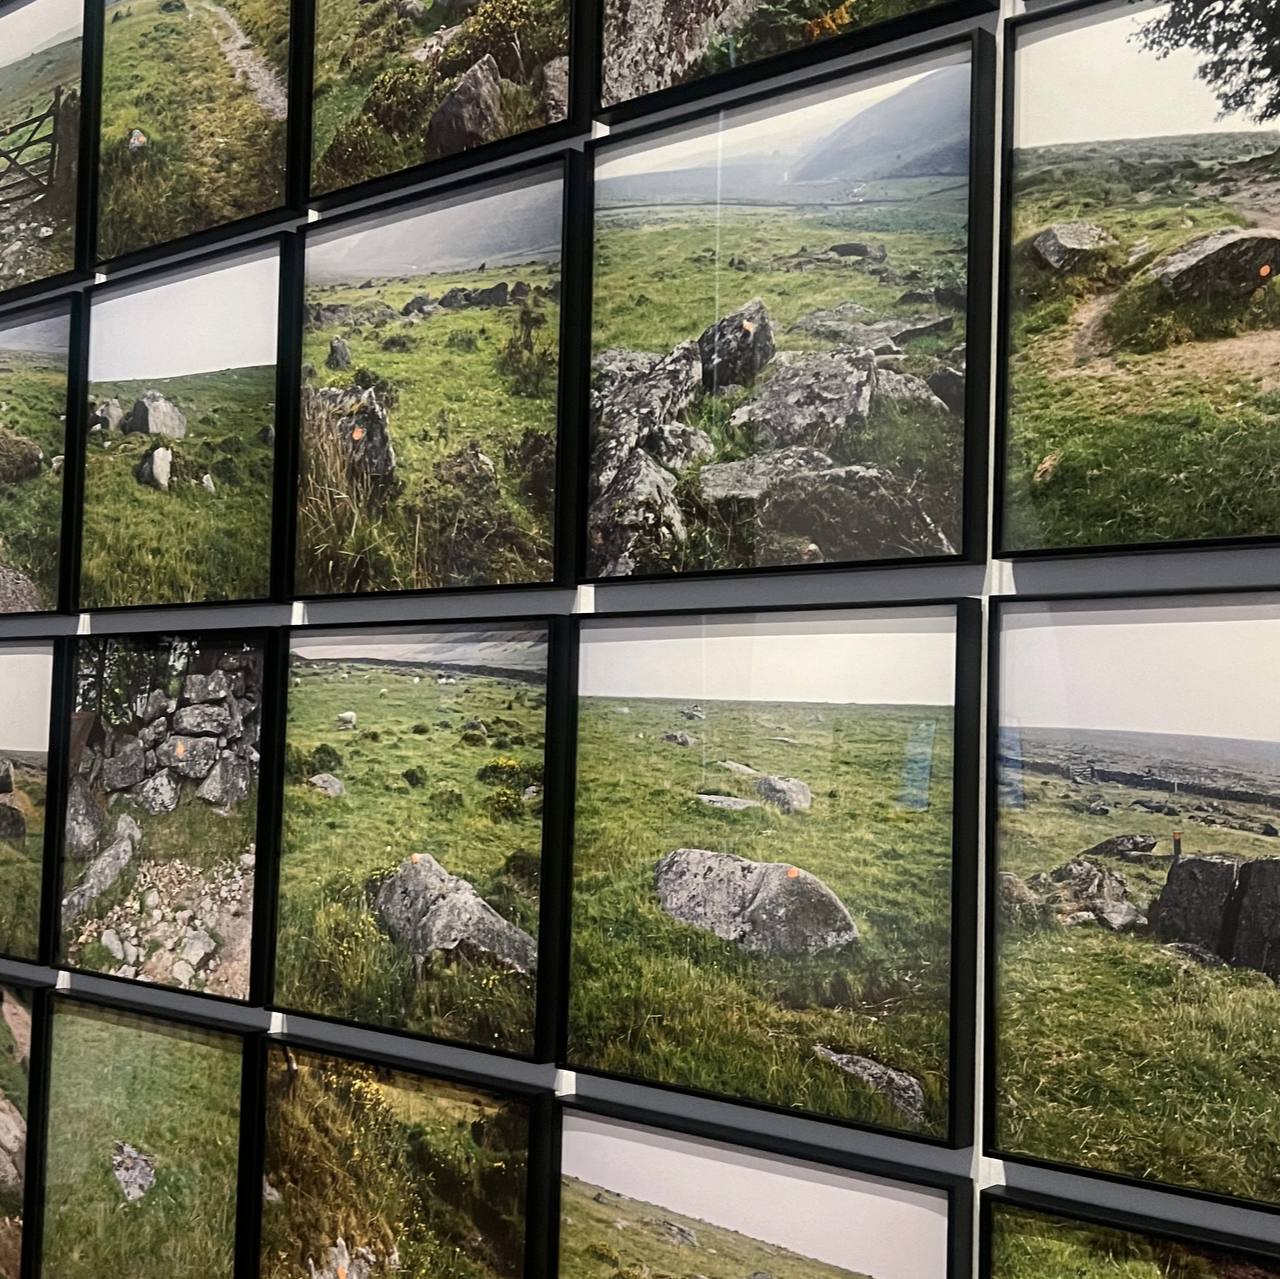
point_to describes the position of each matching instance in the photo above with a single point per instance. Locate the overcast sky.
(26, 27)
(1086, 79)
(1206, 669)
(523, 649)
(884, 1229)
(790, 124)
(784, 657)
(220, 318)
(50, 336)
(26, 674)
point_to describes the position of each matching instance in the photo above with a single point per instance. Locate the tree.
(1240, 41)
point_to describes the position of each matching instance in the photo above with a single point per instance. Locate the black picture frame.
(270, 773)
(958, 1190)
(561, 670)
(283, 245)
(1119, 1219)
(990, 1082)
(962, 1014)
(568, 167)
(978, 46)
(291, 208)
(1000, 543)
(788, 63)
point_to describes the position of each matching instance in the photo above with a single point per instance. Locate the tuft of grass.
(20, 870)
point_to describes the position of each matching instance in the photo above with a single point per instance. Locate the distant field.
(144, 546)
(665, 1001)
(333, 957)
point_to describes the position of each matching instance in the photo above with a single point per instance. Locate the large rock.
(742, 484)
(789, 794)
(126, 767)
(13, 824)
(159, 793)
(471, 112)
(13, 1148)
(107, 414)
(1194, 904)
(1123, 846)
(189, 756)
(900, 1089)
(676, 446)
(1080, 891)
(555, 89)
(202, 719)
(636, 525)
(102, 872)
(339, 356)
(847, 513)
(849, 325)
(819, 399)
(906, 393)
(228, 781)
(155, 468)
(6, 776)
(634, 392)
(767, 908)
(327, 784)
(1257, 935)
(1225, 264)
(360, 422)
(85, 818)
(736, 347)
(20, 458)
(213, 687)
(1066, 245)
(434, 913)
(134, 1172)
(152, 414)
(948, 385)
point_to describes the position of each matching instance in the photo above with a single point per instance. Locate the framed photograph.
(26, 694)
(194, 119)
(180, 450)
(41, 56)
(1140, 245)
(15, 1114)
(411, 862)
(782, 328)
(160, 838)
(142, 1147)
(397, 86)
(371, 1170)
(772, 823)
(1031, 1237)
(430, 393)
(1134, 803)
(635, 1197)
(34, 399)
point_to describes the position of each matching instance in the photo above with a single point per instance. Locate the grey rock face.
(134, 1172)
(435, 913)
(634, 392)
(157, 704)
(18, 593)
(736, 347)
(745, 482)
(1121, 846)
(361, 424)
(189, 756)
(6, 776)
(202, 719)
(948, 385)
(1226, 263)
(155, 468)
(419, 304)
(228, 781)
(13, 825)
(13, 1146)
(900, 1089)
(636, 524)
(107, 414)
(678, 739)
(126, 767)
(339, 356)
(102, 872)
(1257, 935)
(789, 794)
(159, 793)
(1065, 245)
(676, 446)
(1192, 906)
(906, 391)
(152, 414)
(555, 89)
(84, 818)
(767, 908)
(728, 803)
(471, 112)
(327, 784)
(213, 687)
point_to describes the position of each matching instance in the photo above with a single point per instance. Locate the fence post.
(61, 199)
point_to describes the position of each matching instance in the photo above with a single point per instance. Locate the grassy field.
(332, 955)
(13, 1092)
(412, 1168)
(658, 999)
(213, 154)
(661, 278)
(603, 1234)
(1033, 1245)
(20, 869)
(145, 546)
(1114, 1052)
(374, 98)
(172, 1094)
(1132, 419)
(33, 393)
(455, 384)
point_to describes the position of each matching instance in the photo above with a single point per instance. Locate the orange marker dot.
(180, 749)
(415, 858)
(792, 872)
(1264, 270)
(358, 433)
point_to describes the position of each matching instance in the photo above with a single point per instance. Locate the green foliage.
(529, 362)
(415, 777)
(400, 99)
(503, 805)
(324, 759)
(1144, 317)
(20, 865)
(512, 773)
(445, 799)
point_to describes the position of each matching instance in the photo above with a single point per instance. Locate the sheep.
(346, 719)
(382, 692)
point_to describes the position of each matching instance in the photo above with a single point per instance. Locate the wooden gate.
(29, 153)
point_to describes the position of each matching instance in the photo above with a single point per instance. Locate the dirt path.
(248, 64)
(18, 1019)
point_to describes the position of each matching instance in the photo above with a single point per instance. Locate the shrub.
(324, 759)
(420, 729)
(461, 340)
(503, 805)
(505, 771)
(401, 98)
(474, 737)
(414, 776)
(603, 1252)
(446, 798)
(528, 360)
(387, 391)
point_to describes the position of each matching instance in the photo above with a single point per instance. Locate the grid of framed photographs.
(575, 694)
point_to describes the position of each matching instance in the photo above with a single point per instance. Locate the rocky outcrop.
(728, 803)
(634, 392)
(1127, 847)
(767, 908)
(1066, 245)
(736, 347)
(327, 784)
(13, 823)
(359, 420)
(339, 356)
(1224, 264)
(636, 524)
(433, 914)
(155, 468)
(152, 414)
(18, 593)
(13, 1147)
(102, 872)
(741, 485)
(676, 447)
(900, 1089)
(471, 112)
(108, 414)
(788, 794)
(1077, 893)
(555, 90)
(135, 1173)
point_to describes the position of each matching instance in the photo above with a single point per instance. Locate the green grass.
(13, 1089)
(174, 1095)
(374, 101)
(388, 1160)
(213, 155)
(1115, 1053)
(454, 390)
(662, 1000)
(33, 391)
(1154, 430)
(20, 871)
(333, 957)
(144, 546)
(622, 1236)
(1033, 1245)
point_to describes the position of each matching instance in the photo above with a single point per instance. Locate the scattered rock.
(948, 385)
(134, 1171)
(789, 794)
(158, 793)
(339, 356)
(742, 484)
(328, 784)
(1080, 892)
(679, 739)
(901, 1090)
(636, 524)
(906, 391)
(13, 824)
(767, 908)
(635, 392)
(471, 112)
(6, 776)
(743, 770)
(360, 421)
(1065, 245)
(858, 249)
(729, 803)
(736, 347)
(555, 89)
(675, 1233)
(676, 446)
(152, 414)
(107, 414)
(1232, 263)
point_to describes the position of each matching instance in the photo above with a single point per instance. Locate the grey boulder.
(1065, 245)
(188, 756)
(152, 414)
(900, 1089)
(471, 112)
(736, 347)
(1225, 263)
(789, 794)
